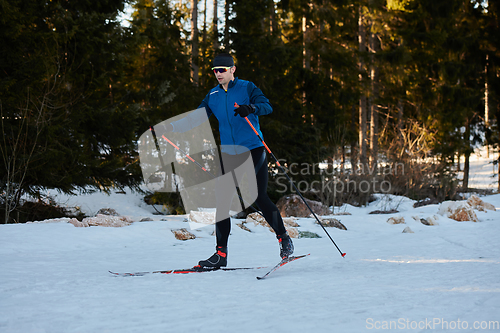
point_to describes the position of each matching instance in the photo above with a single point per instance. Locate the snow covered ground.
(443, 278)
(55, 276)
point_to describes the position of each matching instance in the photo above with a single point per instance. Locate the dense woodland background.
(364, 85)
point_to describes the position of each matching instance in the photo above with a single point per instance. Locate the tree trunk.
(194, 42)
(215, 28)
(342, 159)
(362, 131)
(400, 120)
(204, 42)
(305, 59)
(374, 105)
(226, 27)
(466, 173)
(486, 92)
(465, 183)
(354, 148)
(306, 65)
(486, 104)
(362, 99)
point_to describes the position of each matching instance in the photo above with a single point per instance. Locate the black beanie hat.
(223, 59)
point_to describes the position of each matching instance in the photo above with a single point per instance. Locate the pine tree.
(60, 92)
(158, 70)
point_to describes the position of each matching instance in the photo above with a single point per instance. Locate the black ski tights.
(264, 203)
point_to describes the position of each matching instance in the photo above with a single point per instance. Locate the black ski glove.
(244, 110)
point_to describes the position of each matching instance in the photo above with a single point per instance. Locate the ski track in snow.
(55, 276)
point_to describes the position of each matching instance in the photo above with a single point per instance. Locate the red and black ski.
(185, 271)
(198, 269)
(280, 264)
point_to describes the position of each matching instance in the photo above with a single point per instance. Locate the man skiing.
(234, 130)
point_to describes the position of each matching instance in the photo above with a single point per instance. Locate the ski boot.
(217, 260)
(286, 245)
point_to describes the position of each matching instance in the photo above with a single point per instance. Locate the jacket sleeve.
(257, 98)
(204, 104)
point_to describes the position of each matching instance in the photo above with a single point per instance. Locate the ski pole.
(291, 182)
(197, 163)
(157, 146)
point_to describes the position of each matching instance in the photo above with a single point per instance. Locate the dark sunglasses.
(220, 69)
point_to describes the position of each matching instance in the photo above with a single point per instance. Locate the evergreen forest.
(394, 92)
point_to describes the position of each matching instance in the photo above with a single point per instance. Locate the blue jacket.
(234, 130)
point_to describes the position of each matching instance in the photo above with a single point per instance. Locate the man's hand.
(243, 110)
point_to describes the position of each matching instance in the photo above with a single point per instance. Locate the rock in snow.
(432, 220)
(258, 219)
(475, 202)
(458, 211)
(396, 220)
(108, 211)
(183, 234)
(408, 230)
(202, 217)
(464, 210)
(103, 221)
(332, 222)
(292, 205)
